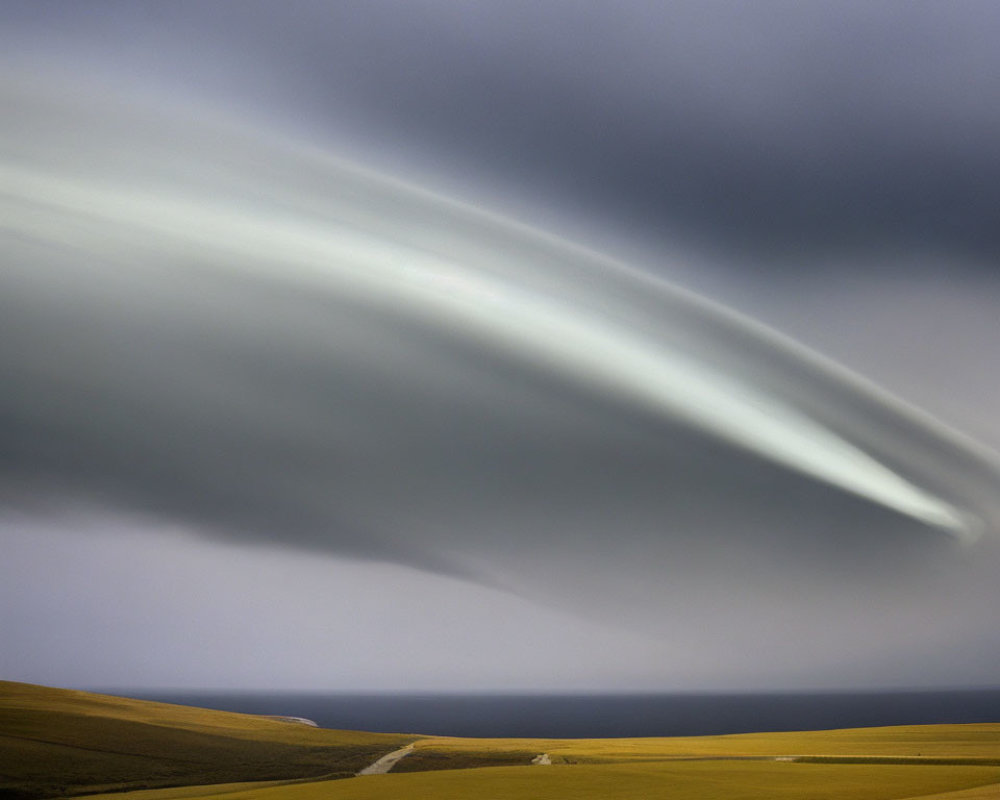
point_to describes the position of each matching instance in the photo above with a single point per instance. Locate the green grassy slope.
(57, 742)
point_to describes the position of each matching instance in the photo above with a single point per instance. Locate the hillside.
(57, 742)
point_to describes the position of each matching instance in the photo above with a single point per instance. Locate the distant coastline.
(296, 720)
(604, 715)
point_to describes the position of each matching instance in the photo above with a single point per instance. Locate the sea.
(603, 715)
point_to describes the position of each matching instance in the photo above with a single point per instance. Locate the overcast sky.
(499, 345)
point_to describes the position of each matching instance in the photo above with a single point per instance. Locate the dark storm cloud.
(770, 130)
(301, 354)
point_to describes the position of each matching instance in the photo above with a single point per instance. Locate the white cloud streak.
(348, 261)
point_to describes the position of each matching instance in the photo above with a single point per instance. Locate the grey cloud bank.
(775, 129)
(207, 326)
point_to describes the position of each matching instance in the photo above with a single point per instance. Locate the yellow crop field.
(691, 780)
(973, 741)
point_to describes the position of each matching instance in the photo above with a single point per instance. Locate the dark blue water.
(567, 716)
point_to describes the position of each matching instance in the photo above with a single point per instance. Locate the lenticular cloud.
(205, 324)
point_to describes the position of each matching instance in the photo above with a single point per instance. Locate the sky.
(499, 346)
